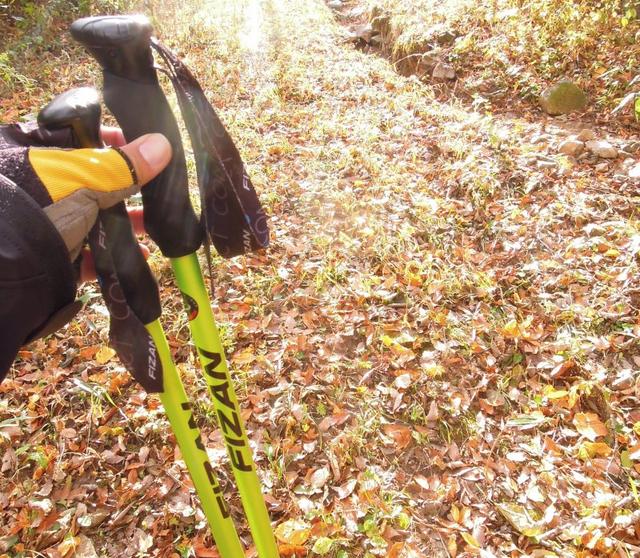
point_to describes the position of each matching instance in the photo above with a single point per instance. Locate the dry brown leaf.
(399, 433)
(320, 477)
(590, 425)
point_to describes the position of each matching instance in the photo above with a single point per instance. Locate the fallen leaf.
(634, 453)
(594, 449)
(590, 425)
(104, 355)
(320, 477)
(399, 433)
(293, 532)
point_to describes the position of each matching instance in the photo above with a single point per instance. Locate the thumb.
(149, 155)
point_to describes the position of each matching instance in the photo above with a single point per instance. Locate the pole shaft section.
(204, 332)
(178, 409)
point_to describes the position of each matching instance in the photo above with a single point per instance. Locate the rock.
(563, 98)
(445, 37)
(634, 172)
(602, 167)
(627, 163)
(547, 165)
(632, 147)
(602, 149)
(335, 4)
(571, 147)
(540, 138)
(365, 32)
(444, 71)
(586, 135)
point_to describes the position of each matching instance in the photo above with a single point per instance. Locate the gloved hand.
(71, 185)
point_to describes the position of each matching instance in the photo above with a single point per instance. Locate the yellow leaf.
(515, 329)
(396, 348)
(612, 253)
(293, 532)
(590, 425)
(634, 453)
(470, 540)
(511, 329)
(68, 545)
(433, 370)
(551, 393)
(589, 450)
(104, 355)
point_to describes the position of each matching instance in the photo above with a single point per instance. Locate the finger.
(87, 264)
(112, 136)
(148, 154)
(136, 215)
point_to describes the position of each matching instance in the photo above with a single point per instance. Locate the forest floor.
(437, 356)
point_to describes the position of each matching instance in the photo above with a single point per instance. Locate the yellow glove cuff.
(63, 172)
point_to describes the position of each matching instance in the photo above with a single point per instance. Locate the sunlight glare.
(251, 32)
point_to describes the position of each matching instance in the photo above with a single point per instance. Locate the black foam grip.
(121, 45)
(141, 108)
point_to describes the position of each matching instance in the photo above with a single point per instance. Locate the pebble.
(602, 167)
(547, 165)
(634, 172)
(627, 163)
(586, 135)
(632, 147)
(571, 147)
(335, 4)
(602, 149)
(444, 71)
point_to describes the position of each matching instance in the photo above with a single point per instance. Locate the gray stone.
(632, 147)
(547, 165)
(445, 37)
(602, 149)
(444, 71)
(627, 163)
(364, 32)
(571, 147)
(563, 98)
(634, 172)
(586, 135)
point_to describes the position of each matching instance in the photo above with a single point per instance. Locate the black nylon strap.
(231, 212)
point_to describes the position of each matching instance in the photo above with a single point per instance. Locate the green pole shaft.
(204, 333)
(178, 409)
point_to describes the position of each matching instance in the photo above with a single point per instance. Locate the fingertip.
(149, 155)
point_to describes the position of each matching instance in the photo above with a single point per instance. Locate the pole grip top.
(120, 44)
(78, 109)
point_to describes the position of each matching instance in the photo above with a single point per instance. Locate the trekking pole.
(121, 45)
(116, 251)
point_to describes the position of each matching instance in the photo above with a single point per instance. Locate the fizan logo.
(246, 239)
(213, 481)
(153, 363)
(229, 417)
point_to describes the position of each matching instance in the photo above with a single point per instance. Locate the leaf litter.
(437, 356)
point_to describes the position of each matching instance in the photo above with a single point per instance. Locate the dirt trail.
(437, 354)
